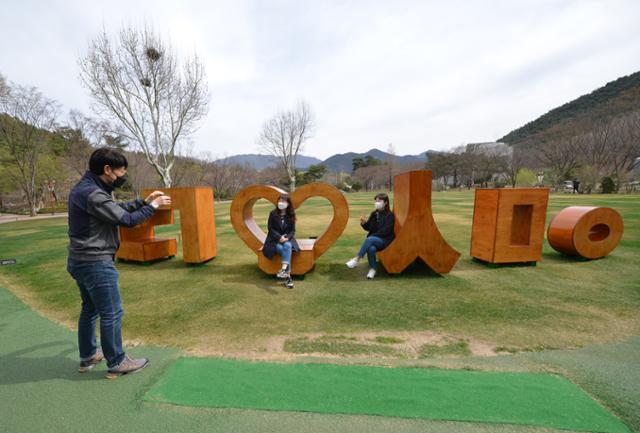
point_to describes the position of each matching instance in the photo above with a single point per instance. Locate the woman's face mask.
(379, 204)
(282, 205)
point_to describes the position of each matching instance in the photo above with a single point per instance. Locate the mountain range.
(339, 162)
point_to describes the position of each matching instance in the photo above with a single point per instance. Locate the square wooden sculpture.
(508, 224)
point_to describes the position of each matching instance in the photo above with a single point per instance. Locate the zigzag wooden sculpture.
(197, 227)
(417, 235)
(310, 249)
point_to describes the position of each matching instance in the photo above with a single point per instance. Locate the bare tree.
(596, 147)
(561, 155)
(513, 164)
(625, 147)
(27, 119)
(391, 163)
(140, 174)
(4, 87)
(81, 135)
(284, 135)
(372, 177)
(136, 80)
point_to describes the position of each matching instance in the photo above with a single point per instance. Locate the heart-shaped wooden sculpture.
(310, 249)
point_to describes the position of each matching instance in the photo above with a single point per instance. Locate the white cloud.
(419, 74)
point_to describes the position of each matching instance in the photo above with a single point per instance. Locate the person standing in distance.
(93, 241)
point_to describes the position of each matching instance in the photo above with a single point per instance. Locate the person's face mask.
(379, 204)
(119, 180)
(282, 205)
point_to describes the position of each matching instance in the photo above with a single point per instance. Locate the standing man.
(93, 241)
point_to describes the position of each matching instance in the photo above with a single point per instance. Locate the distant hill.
(339, 162)
(260, 162)
(613, 99)
(342, 161)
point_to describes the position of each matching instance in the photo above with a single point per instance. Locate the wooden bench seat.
(301, 262)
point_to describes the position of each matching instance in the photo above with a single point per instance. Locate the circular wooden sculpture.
(310, 249)
(590, 232)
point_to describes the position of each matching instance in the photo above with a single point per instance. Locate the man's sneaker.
(371, 274)
(282, 274)
(353, 262)
(90, 363)
(127, 366)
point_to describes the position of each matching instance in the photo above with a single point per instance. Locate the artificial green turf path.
(497, 397)
(41, 391)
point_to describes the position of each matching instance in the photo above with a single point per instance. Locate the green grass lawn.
(229, 307)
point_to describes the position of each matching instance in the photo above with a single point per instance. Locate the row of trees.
(476, 164)
(148, 103)
(608, 149)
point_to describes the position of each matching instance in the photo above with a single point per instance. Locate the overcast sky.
(418, 74)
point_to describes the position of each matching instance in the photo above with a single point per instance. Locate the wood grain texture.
(508, 224)
(252, 235)
(417, 235)
(586, 231)
(140, 244)
(197, 225)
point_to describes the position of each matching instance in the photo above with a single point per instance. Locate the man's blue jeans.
(284, 250)
(370, 247)
(98, 283)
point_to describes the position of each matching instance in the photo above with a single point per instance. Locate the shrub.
(608, 185)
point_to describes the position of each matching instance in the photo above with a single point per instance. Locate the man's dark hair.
(106, 156)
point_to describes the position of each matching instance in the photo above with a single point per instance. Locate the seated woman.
(281, 234)
(380, 227)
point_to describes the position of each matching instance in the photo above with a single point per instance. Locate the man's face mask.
(120, 180)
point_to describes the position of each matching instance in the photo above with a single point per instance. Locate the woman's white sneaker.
(371, 274)
(353, 262)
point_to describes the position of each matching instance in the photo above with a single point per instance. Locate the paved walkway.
(9, 217)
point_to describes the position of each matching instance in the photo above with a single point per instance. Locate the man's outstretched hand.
(157, 199)
(153, 196)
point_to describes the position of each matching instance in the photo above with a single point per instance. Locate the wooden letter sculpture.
(310, 249)
(417, 235)
(590, 232)
(140, 244)
(197, 227)
(508, 224)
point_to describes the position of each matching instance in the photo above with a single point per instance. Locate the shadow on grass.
(251, 274)
(339, 272)
(556, 257)
(26, 366)
(489, 265)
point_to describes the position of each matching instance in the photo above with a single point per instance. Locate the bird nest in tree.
(152, 53)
